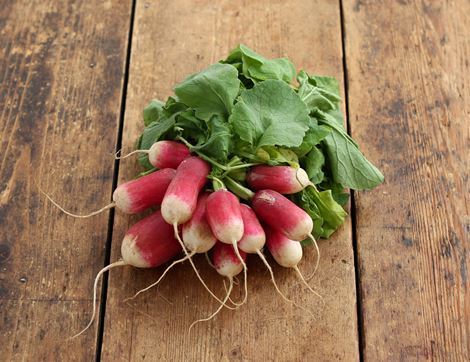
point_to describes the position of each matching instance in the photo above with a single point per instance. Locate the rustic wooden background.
(75, 76)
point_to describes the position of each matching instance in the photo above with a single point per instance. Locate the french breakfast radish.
(170, 154)
(180, 200)
(196, 233)
(225, 219)
(286, 252)
(164, 154)
(282, 214)
(134, 196)
(227, 263)
(147, 244)
(283, 179)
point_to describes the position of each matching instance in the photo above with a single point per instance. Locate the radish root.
(218, 309)
(107, 207)
(262, 257)
(318, 257)
(235, 246)
(95, 287)
(161, 276)
(118, 157)
(296, 268)
(175, 227)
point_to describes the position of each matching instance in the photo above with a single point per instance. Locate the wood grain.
(61, 71)
(409, 104)
(170, 41)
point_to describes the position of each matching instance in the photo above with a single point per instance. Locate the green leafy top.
(245, 110)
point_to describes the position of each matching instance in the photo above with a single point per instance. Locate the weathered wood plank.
(172, 40)
(61, 71)
(409, 105)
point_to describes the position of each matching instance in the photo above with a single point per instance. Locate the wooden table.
(75, 76)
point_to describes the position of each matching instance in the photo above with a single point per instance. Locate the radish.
(180, 200)
(228, 263)
(164, 154)
(147, 244)
(286, 252)
(134, 196)
(225, 219)
(283, 179)
(197, 233)
(282, 214)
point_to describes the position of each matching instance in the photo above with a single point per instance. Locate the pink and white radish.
(286, 252)
(180, 200)
(134, 196)
(147, 244)
(228, 263)
(197, 234)
(225, 219)
(282, 214)
(170, 154)
(283, 179)
(164, 154)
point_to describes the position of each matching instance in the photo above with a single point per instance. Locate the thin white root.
(117, 157)
(296, 268)
(218, 309)
(318, 257)
(237, 305)
(175, 228)
(107, 207)
(161, 277)
(235, 246)
(95, 287)
(260, 254)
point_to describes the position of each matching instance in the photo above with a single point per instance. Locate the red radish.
(225, 219)
(282, 214)
(224, 216)
(228, 263)
(170, 154)
(283, 179)
(138, 195)
(164, 154)
(147, 244)
(135, 196)
(254, 238)
(285, 251)
(180, 200)
(197, 233)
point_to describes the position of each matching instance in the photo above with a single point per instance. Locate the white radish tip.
(302, 178)
(131, 254)
(122, 200)
(175, 210)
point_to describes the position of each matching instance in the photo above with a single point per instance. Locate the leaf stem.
(239, 190)
(201, 155)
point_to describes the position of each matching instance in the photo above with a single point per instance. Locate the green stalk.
(201, 155)
(239, 190)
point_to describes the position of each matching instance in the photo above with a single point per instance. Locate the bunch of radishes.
(196, 216)
(241, 129)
